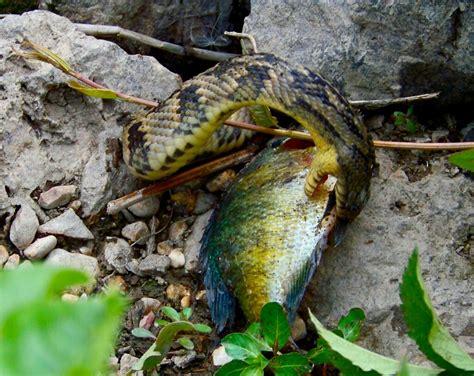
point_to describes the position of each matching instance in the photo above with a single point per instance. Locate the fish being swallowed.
(265, 240)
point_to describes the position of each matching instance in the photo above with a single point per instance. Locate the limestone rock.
(193, 242)
(154, 265)
(61, 257)
(57, 196)
(136, 232)
(67, 224)
(40, 247)
(24, 227)
(146, 208)
(117, 254)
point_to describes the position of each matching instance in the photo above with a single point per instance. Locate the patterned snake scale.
(178, 130)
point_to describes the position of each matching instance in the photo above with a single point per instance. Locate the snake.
(189, 123)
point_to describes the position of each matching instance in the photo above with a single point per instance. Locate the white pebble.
(136, 232)
(57, 196)
(24, 227)
(12, 262)
(146, 208)
(40, 247)
(177, 258)
(220, 357)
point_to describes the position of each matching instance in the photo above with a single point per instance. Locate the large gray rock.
(48, 131)
(374, 49)
(435, 214)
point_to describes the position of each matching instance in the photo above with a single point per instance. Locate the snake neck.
(174, 133)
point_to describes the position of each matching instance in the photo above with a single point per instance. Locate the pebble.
(175, 292)
(440, 135)
(12, 262)
(192, 245)
(87, 249)
(57, 196)
(177, 231)
(117, 254)
(75, 205)
(177, 258)
(374, 122)
(150, 304)
(133, 266)
(67, 224)
(3, 255)
(126, 363)
(201, 295)
(136, 232)
(220, 357)
(147, 321)
(146, 208)
(165, 248)
(185, 301)
(78, 261)
(298, 329)
(69, 298)
(182, 361)
(24, 227)
(222, 181)
(40, 247)
(154, 265)
(204, 202)
(117, 282)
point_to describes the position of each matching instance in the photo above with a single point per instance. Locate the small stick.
(374, 104)
(113, 207)
(108, 30)
(249, 37)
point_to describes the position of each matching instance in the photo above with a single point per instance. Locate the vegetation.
(406, 120)
(463, 159)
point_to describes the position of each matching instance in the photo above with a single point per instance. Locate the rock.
(51, 132)
(222, 181)
(204, 202)
(220, 357)
(67, 224)
(40, 247)
(193, 242)
(147, 321)
(150, 304)
(117, 282)
(201, 294)
(177, 231)
(57, 196)
(146, 208)
(164, 248)
(3, 255)
(87, 249)
(117, 254)
(298, 329)
(12, 262)
(154, 265)
(87, 264)
(440, 135)
(373, 50)
(177, 258)
(71, 298)
(182, 361)
(136, 232)
(175, 292)
(185, 301)
(126, 363)
(24, 227)
(75, 205)
(133, 266)
(366, 269)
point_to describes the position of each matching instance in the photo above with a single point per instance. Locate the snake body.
(178, 130)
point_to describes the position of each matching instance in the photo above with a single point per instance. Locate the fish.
(264, 241)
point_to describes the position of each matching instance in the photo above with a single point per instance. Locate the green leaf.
(186, 343)
(411, 110)
(43, 54)
(351, 324)
(171, 313)
(239, 368)
(162, 322)
(275, 327)
(142, 333)
(22, 287)
(255, 331)
(93, 92)
(262, 116)
(424, 326)
(60, 338)
(162, 345)
(186, 313)
(241, 346)
(404, 371)
(291, 364)
(463, 159)
(354, 360)
(411, 126)
(202, 328)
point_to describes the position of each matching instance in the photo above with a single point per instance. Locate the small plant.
(463, 159)
(406, 120)
(40, 334)
(168, 333)
(258, 348)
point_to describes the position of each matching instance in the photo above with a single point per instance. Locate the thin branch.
(376, 104)
(115, 206)
(108, 30)
(249, 37)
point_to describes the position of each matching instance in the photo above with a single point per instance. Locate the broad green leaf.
(60, 338)
(186, 313)
(275, 327)
(262, 116)
(162, 345)
(424, 327)
(142, 333)
(171, 313)
(403, 368)
(355, 357)
(238, 368)
(411, 126)
(411, 110)
(463, 159)
(21, 287)
(241, 346)
(186, 343)
(161, 322)
(93, 92)
(202, 328)
(291, 364)
(350, 325)
(255, 331)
